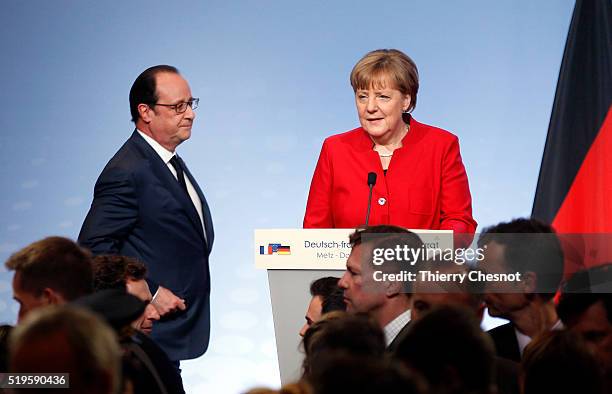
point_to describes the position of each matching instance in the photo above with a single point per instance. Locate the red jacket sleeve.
(318, 208)
(455, 201)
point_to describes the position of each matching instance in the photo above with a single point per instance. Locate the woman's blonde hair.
(383, 66)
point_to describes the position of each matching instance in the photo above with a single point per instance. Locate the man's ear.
(145, 112)
(392, 289)
(529, 281)
(52, 297)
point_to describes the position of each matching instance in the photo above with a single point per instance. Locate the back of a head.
(340, 373)
(5, 331)
(54, 262)
(450, 350)
(67, 340)
(299, 387)
(371, 233)
(338, 331)
(112, 272)
(559, 362)
(529, 246)
(331, 294)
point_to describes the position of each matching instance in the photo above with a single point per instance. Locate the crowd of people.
(91, 317)
(426, 336)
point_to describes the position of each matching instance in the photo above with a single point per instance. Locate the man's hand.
(166, 302)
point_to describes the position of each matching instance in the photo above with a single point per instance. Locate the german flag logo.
(275, 248)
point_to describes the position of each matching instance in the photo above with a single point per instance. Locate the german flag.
(574, 191)
(284, 250)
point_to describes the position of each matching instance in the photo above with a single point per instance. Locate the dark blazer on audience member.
(506, 344)
(140, 210)
(398, 338)
(507, 376)
(167, 373)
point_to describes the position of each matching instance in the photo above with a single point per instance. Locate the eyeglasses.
(182, 107)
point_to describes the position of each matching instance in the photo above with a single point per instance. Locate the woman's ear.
(406, 103)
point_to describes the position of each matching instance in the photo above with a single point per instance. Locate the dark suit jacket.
(398, 338)
(507, 376)
(167, 373)
(140, 210)
(505, 342)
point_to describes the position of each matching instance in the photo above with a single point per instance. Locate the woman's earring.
(406, 117)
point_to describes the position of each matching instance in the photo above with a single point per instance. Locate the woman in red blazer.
(421, 181)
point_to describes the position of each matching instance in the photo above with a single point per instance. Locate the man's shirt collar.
(395, 326)
(164, 153)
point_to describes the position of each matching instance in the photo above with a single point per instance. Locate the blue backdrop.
(272, 77)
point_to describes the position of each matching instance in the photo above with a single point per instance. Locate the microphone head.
(371, 178)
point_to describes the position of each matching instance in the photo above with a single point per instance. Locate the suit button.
(382, 201)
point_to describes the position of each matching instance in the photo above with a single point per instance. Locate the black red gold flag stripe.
(574, 191)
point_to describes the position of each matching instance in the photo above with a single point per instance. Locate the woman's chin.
(376, 132)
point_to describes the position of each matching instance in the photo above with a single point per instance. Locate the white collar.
(523, 340)
(164, 153)
(395, 326)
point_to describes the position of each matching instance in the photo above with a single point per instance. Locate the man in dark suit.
(467, 294)
(531, 249)
(387, 302)
(148, 205)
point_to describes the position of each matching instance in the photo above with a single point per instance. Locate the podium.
(294, 258)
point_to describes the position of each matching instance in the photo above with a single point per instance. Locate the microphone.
(371, 183)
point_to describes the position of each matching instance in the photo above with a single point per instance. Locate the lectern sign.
(320, 249)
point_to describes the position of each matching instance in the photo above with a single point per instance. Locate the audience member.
(468, 294)
(5, 331)
(338, 331)
(387, 302)
(51, 271)
(67, 340)
(146, 368)
(429, 294)
(590, 314)
(532, 249)
(300, 387)
(450, 350)
(127, 273)
(339, 372)
(326, 297)
(559, 362)
(146, 364)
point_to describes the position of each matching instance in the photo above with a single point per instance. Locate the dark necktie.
(180, 174)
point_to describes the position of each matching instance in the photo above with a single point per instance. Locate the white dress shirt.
(523, 340)
(395, 326)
